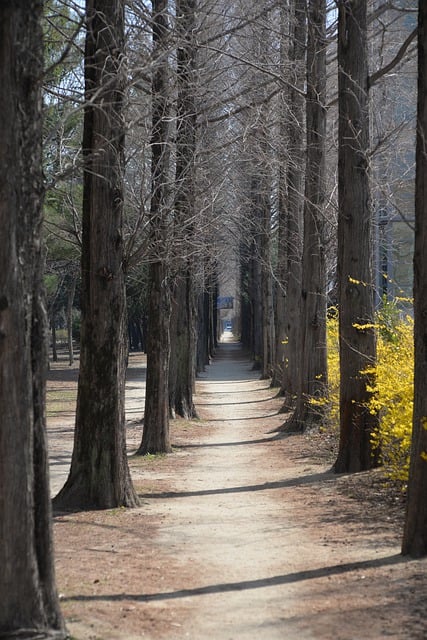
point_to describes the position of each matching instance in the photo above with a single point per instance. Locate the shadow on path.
(327, 476)
(229, 365)
(207, 445)
(311, 574)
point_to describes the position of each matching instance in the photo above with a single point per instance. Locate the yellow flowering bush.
(393, 397)
(329, 404)
(393, 391)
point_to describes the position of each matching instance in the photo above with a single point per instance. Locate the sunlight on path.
(259, 573)
(249, 540)
(232, 529)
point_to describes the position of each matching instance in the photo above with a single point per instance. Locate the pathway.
(244, 514)
(240, 536)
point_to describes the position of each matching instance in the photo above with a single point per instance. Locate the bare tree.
(280, 358)
(156, 437)
(415, 533)
(313, 368)
(183, 369)
(356, 295)
(392, 85)
(29, 602)
(295, 199)
(99, 475)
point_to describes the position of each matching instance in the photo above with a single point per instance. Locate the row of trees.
(317, 255)
(176, 266)
(278, 209)
(204, 100)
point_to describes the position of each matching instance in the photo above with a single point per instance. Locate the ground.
(241, 534)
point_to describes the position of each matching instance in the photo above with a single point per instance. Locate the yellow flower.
(391, 389)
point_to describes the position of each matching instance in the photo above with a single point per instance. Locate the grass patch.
(60, 401)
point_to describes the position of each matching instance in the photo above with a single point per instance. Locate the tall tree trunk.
(156, 436)
(174, 342)
(282, 249)
(246, 303)
(295, 202)
(281, 284)
(29, 603)
(202, 330)
(267, 285)
(255, 287)
(415, 532)
(53, 330)
(213, 315)
(185, 337)
(313, 371)
(70, 302)
(356, 295)
(183, 349)
(99, 475)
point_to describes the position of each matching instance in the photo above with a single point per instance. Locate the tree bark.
(266, 284)
(295, 202)
(29, 602)
(183, 367)
(415, 531)
(313, 371)
(156, 436)
(203, 353)
(54, 347)
(185, 337)
(356, 295)
(99, 475)
(246, 293)
(255, 287)
(282, 250)
(70, 302)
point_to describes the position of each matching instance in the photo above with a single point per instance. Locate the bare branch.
(374, 77)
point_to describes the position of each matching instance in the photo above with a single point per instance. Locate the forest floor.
(240, 535)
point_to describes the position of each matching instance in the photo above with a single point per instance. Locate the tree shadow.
(327, 476)
(225, 444)
(227, 587)
(136, 374)
(234, 404)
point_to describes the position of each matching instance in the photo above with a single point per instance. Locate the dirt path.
(240, 536)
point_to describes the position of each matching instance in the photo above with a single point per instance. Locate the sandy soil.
(240, 535)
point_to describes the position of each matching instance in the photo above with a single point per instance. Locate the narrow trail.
(246, 538)
(244, 515)
(225, 518)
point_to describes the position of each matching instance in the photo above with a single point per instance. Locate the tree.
(282, 214)
(99, 476)
(356, 296)
(184, 338)
(29, 602)
(251, 170)
(415, 532)
(156, 437)
(313, 368)
(69, 313)
(62, 133)
(295, 200)
(392, 88)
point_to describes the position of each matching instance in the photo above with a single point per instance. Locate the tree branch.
(374, 77)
